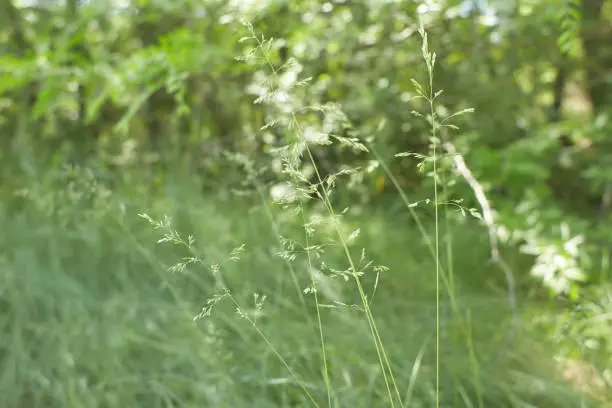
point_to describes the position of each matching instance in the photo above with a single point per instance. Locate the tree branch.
(464, 171)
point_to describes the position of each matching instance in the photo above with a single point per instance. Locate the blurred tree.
(144, 89)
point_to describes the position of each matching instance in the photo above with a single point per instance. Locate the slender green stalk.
(308, 256)
(437, 239)
(474, 361)
(313, 283)
(387, 371)
(277, 234)
(430, 60)
(319, 321)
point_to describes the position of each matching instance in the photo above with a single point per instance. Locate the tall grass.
(92, 317)
(99, 308)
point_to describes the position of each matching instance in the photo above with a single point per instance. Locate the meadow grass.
(111, 300)
(92, 317)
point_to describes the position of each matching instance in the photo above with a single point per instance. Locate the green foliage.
(320, 112)
(569, 16)
(97, 315)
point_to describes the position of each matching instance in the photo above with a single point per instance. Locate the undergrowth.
(326, 236)
(305, 303)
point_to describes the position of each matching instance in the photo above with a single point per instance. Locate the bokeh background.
(153, 163)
